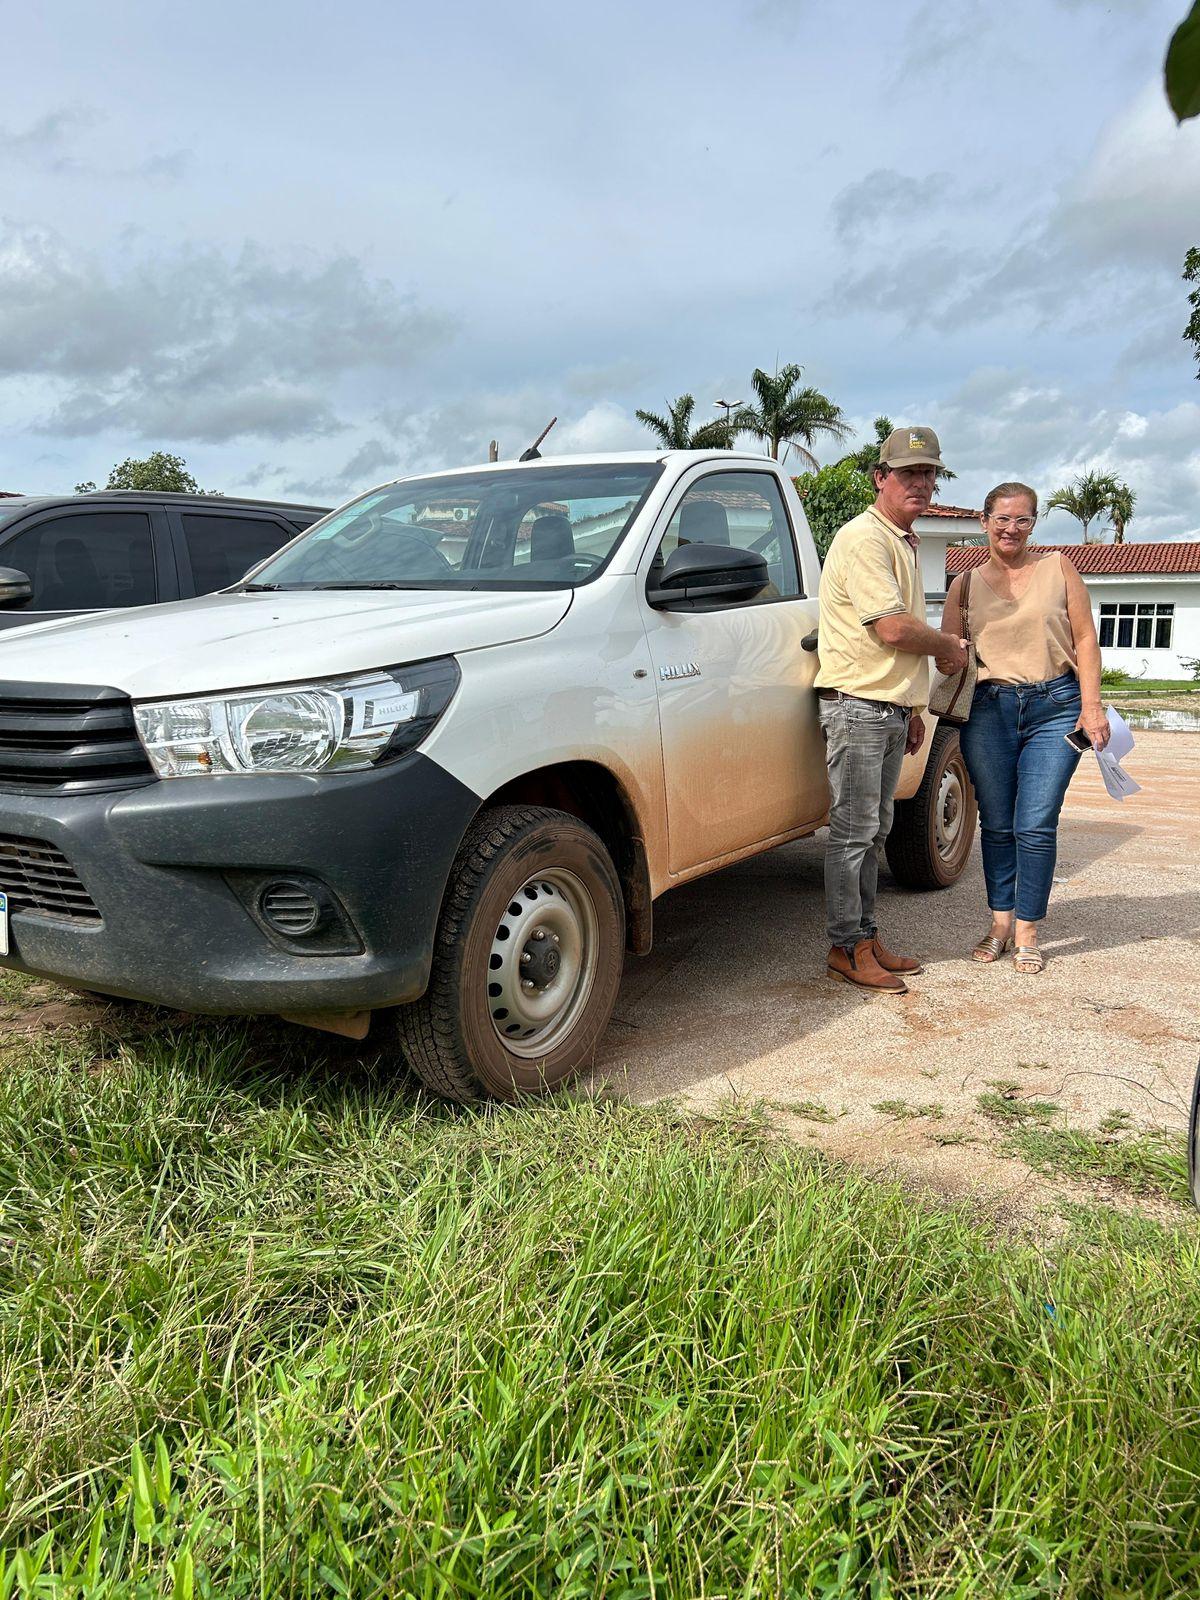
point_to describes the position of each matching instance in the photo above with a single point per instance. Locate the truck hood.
(233, 641)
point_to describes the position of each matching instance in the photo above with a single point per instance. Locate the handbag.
(951, 696)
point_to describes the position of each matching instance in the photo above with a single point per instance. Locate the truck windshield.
(536, 527)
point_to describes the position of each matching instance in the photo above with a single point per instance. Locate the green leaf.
(1182, 69)
(183, 1576)
(143, 1504)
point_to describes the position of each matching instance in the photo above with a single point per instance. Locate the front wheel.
(527, 959)
(930, 841)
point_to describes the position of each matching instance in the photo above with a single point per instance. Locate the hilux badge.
(684, 669)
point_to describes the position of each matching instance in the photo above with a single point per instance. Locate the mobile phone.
(1078, 740)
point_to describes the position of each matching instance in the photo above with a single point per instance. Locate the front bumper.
(172, 869)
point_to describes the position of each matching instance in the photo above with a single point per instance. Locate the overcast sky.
(312, 247)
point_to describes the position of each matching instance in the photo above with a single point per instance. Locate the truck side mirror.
(707, 572)
(15, 587)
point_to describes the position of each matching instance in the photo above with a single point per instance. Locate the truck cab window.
(745, 510)
(88, 561)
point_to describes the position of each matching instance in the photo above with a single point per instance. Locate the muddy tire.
(931, 837)
(527, 960)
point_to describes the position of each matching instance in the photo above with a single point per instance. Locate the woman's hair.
(1002, 491)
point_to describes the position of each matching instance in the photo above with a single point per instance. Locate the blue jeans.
(1020, 766)
(864, 749)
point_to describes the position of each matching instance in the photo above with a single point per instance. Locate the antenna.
(533, 453)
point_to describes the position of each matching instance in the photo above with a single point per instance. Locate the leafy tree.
(161, 473)
(787, 414)
(674, 431)
(831, 496)
(1095, 494)
(1191, 274)
(1181, 70)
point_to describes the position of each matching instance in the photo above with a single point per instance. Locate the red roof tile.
(1095, 559)
(939, 510)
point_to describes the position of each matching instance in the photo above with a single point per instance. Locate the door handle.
(809, 641)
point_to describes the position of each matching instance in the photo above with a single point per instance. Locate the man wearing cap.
(873, 685)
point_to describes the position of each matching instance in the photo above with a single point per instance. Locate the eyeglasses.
(1021, 524)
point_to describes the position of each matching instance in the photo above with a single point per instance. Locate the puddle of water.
(1164, 721)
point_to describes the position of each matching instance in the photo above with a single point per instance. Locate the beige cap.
(911, 447)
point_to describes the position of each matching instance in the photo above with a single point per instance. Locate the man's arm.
(902, 631)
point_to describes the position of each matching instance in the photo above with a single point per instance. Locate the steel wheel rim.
(951, 812)
(551, 922)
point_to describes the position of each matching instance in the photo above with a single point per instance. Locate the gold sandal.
(1033, 958)
(990, 949)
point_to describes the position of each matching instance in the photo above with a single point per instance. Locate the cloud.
(197, 343)
(1002, 424)
(46, 142)
(884, 196)
(51, 144)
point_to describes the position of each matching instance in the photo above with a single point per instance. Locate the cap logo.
(916, 441)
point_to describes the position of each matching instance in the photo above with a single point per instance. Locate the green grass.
(903, 1110)
(1145, 1164)
(276, 1330)
(809, 1110)
(1156, 685)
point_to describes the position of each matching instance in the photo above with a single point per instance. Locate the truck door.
(742, 753)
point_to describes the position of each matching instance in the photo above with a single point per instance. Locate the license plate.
(3, 923)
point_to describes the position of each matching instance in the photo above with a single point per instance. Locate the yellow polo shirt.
(871, 571)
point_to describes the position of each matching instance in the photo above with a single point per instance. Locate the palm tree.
(787, 415)
(867, 455)
(674, 431)
(1120, 510)
(1095, 494)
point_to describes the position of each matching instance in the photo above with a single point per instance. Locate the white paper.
(1116, 780)
(1120, 738)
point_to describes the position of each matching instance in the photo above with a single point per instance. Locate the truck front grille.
(68, 739)
(36, 876)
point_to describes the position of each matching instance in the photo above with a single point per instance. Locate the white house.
(939, 527)
(1145, 598)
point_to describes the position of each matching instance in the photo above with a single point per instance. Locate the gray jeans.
(864, 747)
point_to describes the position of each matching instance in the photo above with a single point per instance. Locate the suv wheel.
(527, 959)
(930, 841)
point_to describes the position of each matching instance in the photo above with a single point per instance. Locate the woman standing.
(1039, 678)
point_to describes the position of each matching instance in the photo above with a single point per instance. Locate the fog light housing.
(290, 908)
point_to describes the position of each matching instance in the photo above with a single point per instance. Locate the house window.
(1141, 626)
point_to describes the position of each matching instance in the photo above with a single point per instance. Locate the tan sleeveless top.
(1027, 640)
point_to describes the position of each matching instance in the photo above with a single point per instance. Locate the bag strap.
(964, 607)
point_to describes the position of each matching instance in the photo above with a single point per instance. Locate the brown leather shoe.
(859, 966)
(893, 963)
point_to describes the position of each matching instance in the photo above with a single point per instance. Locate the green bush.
(1114, 678)
(831, 497)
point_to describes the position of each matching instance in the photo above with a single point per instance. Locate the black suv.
(90, 552)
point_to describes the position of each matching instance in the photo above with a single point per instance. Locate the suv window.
(223, 548)
(87, 561)
(745, 510)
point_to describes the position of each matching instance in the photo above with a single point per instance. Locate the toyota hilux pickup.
(433, 762)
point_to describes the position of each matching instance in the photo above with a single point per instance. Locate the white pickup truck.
(435, 760)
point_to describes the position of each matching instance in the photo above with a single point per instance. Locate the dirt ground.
(733, 1001)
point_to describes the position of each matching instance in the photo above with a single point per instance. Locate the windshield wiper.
(378, 584)
(259, 588)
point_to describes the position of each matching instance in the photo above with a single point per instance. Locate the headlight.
(341, 725)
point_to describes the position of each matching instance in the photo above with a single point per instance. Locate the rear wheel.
(527, 959)
(930, 841)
